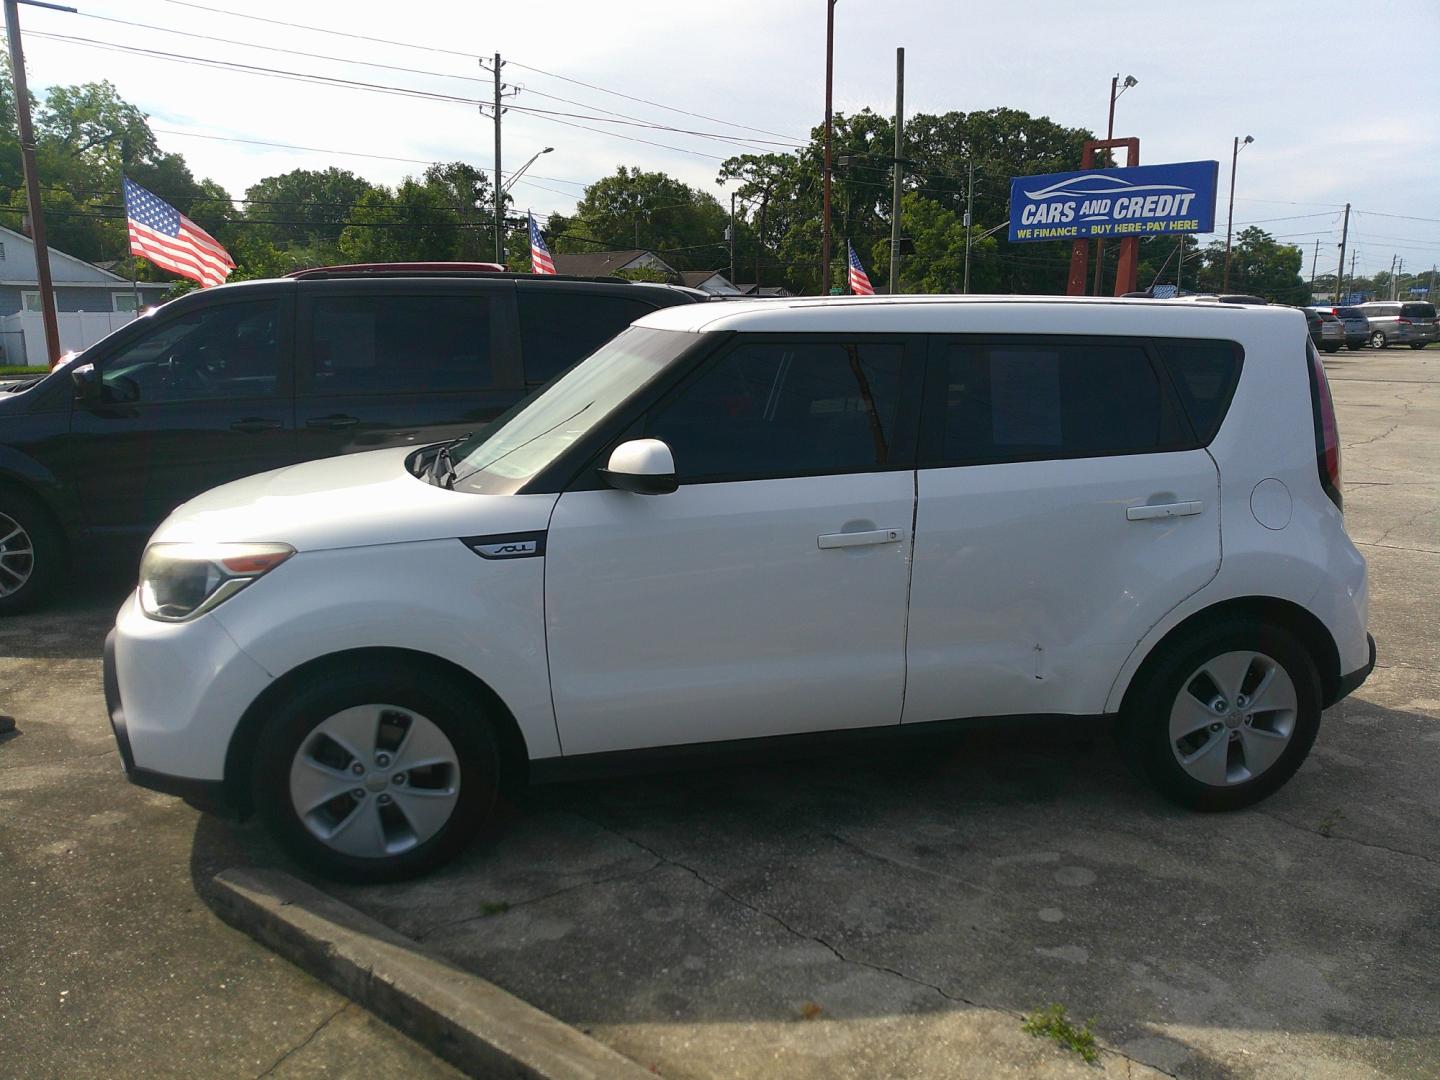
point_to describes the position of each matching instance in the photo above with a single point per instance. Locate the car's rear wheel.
(1355, 344)
(1332, 348)
(31, 552)
(1377, 339)
(1418, 344)
(1225, 717)
(379, 774)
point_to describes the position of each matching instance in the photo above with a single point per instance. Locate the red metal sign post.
(1129, 247)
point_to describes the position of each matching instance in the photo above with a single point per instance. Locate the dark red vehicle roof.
(400, 268)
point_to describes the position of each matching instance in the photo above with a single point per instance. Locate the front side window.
(778, 408)
(1026, 402)
(222, 352)
(399, 344)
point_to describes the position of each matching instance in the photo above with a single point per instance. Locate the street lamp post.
(1116, 89)
(521, 171)
(1230, 217)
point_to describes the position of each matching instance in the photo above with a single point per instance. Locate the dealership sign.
(1147, 200)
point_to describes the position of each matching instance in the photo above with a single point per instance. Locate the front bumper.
(1352, 682)
(206, 795)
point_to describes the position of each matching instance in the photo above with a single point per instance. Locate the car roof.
(966, 314)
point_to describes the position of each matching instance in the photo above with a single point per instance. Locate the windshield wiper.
(442, 469)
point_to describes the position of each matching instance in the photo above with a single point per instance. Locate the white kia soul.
(742, 521)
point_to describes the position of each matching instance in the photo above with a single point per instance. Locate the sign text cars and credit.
(1144, 200)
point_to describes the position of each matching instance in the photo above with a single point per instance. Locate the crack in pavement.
(305, 1042)
(1395, 547)
(1348, 839)
(741, 902)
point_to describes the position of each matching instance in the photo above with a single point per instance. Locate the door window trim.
(932, 423)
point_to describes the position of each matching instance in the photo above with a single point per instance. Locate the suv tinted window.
(222, 352)
(376, 344)
(1350, 313)
(1382, 311)
(1024, 402)
(559, 327)
(785, 409)
(1418, 311)
(1204, 374)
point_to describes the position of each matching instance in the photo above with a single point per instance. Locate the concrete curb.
(471, 1023)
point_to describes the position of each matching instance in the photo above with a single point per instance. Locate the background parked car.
(1330, 333)
(1394, 322)
(243, 378)
(1357, 326)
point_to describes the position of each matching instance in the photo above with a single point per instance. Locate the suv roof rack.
(451, 269)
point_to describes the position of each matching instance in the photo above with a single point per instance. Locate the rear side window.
(560, 328)
(786, 409)
(399, 344)
(1204, 374)
(1418, 311)
(1350, 313)
(1026, 402)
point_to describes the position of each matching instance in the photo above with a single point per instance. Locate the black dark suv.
(242, 378)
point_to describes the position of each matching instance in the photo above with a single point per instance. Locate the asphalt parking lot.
(884, 914)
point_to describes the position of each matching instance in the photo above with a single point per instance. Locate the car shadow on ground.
(1001, 871)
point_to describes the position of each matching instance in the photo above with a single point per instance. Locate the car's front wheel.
(31, 552)
(1225, 716)
(1377, 339)
(377, 774)
(1355, 344)
(1332, 348)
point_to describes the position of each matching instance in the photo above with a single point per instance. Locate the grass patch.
(1052, 1023)
(494, 907)
(21, 369)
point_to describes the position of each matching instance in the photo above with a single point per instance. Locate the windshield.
(528, 438)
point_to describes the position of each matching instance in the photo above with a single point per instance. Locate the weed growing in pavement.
(1327, 827)
(1051, 1022)
(494, 907)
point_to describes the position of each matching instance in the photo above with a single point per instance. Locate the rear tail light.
(1327, 433)
(1403, 322)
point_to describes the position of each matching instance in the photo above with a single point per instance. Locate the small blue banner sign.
(1147, 200)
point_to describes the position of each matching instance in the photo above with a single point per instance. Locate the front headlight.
(181, 581)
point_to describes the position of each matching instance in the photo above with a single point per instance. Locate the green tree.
(303, 206)
(411, 223)
(638, 209)
(470, 194)
(938, 262)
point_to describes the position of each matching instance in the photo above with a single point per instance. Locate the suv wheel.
(1355, 344)
(1378, 339)
(1332, 348)
(1226, 716)
(31, 553)
(377, 775)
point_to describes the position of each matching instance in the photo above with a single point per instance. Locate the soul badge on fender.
(507, 545)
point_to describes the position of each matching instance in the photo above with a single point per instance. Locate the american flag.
(540, 260)
(859, 283)
(171, 240)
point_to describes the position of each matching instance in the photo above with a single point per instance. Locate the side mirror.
(87, 382)
(644, 466)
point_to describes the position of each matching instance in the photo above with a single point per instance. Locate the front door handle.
(1163, 510)
(339, 420)
(860, 539)
(252, 424)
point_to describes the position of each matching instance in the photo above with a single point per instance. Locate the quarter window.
(399, 344)
(1023, 402)
(786, 409)
(1204, 374)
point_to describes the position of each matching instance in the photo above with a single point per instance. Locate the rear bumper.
(1352, 682)
(206, 795)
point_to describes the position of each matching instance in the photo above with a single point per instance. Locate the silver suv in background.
(1357, 326)
(1395, 322)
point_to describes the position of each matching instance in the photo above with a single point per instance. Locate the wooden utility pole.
(969, 220)
(825, 210)
(732, 238)
(1314, 259)
(898, 170)
(1344, 236)
(32, 178)
(499, 189)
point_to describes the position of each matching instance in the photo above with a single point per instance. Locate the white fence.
(22, 335)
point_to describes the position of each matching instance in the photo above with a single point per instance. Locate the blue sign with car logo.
(1147, 200)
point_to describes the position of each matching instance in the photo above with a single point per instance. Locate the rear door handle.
(252, 424)
(1163, 510)
(860, 539)
(337, 421)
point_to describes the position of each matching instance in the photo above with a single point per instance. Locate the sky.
(1339, 113)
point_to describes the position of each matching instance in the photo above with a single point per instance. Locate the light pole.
(1230, 217)
(1116, 89)
(521, 171)
(825, 181)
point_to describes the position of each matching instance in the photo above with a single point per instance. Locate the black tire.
(1332, 348)
(43, 567)
(449, 704)
(1378, 339)
(1418, 344)
(1357, 345)
(1145, 721)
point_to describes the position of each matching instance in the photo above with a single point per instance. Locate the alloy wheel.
(1377, 339)
(17, 556)
(375, 781)
(1233, 718)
